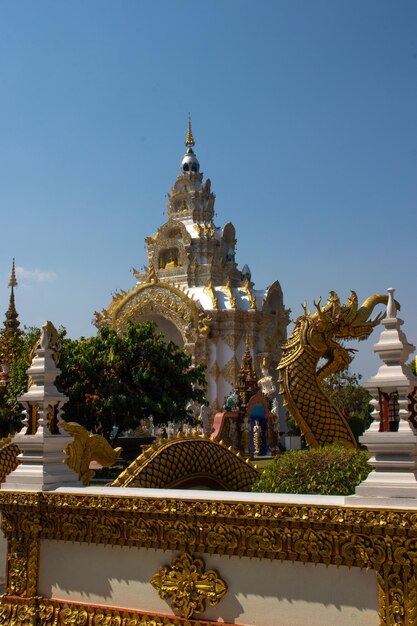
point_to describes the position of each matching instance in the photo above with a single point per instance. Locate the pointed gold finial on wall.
(189, 140)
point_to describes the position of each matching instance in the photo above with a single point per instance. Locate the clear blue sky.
(305, 117)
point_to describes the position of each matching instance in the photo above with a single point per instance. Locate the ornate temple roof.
(191, 285)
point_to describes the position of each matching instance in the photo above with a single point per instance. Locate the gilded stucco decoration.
(204, 321)
(22, 530)
(231, 370)
(189, 461)
(163, 298)
(46, 612)
(317, 336)
(249, 293)
(384, 540)
(230, 293)
(230, 339)
(209, 290)
(172, 229)
(167, 244)
(189, 585)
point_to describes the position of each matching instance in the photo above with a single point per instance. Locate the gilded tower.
(10, 334)
(194, 291)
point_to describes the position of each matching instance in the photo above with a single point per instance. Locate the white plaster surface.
(239, 496)
(260, 592)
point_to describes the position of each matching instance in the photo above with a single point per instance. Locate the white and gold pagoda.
(194, 291)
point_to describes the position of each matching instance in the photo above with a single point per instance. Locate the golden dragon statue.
(316, 339)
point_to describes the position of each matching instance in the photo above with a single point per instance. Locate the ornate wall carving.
(378, 539)
(44, 612)
(189, 585)
(164, 299)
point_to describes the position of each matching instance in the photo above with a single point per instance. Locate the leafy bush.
(332, 470)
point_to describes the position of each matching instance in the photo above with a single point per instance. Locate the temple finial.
(10, 334)
(189, 140)
(13, 281)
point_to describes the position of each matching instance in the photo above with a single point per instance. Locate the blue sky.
(304, 114)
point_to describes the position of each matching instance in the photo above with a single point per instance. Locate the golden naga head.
(348, 321)
(334, 321)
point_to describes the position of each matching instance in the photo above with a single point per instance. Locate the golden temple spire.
(13, 281)
(189, 140)
(10, 334)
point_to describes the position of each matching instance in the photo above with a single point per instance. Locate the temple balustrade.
(94, 553)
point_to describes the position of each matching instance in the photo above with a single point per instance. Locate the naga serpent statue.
(315, 339)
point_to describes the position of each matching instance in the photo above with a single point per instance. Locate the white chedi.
(41, 440)
(394, 454)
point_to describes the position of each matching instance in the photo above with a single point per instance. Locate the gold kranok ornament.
(190, 586)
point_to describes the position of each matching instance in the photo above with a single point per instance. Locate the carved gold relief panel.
(45, 612)
(378, 539)
(189, 585)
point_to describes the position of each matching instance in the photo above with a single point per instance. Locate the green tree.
(11, 412)
(115, 380)
(351, 398)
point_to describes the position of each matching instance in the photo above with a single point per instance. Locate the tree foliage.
(345, 390)
(112, 380)
(332, 470)
(10, 409)
(115, 380)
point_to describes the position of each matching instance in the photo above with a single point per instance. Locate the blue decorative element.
(194, 167)
(185, 167)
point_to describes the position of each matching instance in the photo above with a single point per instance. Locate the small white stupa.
(41, 441)
(392, 438)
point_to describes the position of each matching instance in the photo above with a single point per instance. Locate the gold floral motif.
(21, 528)
(45, 612)
(397, 594)
(18, 613)
(190, 586)
(17, 565)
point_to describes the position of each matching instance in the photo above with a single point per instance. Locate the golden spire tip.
(13, 281)
(189, 140)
